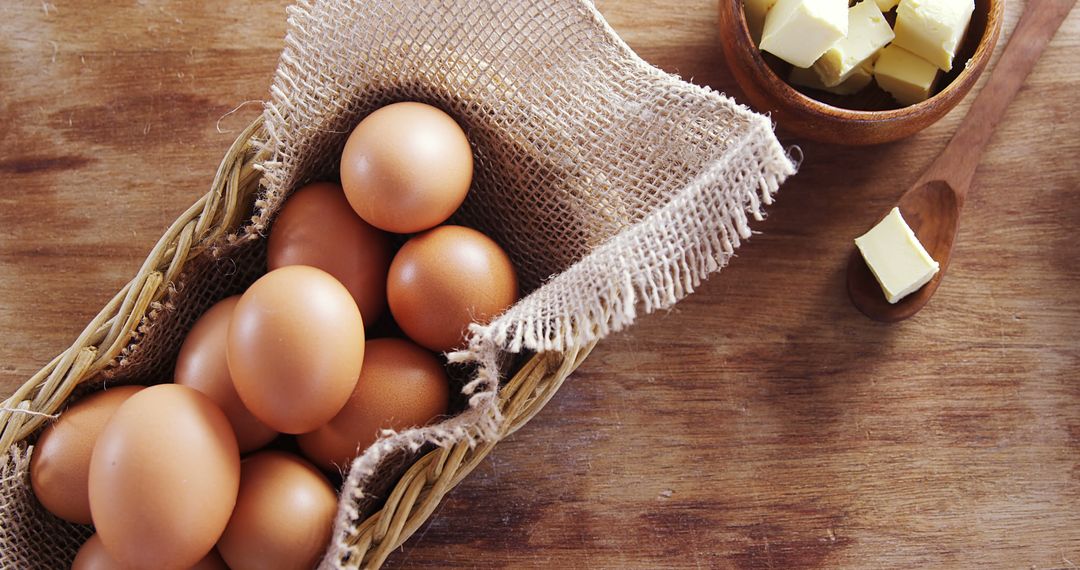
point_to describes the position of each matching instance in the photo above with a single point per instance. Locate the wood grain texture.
(762, 423)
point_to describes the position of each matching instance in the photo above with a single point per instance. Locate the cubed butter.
(755, 16)
(933, 29)
(855, 82)
(868, 32)
(799, 31)
(896, 257)
(886, 5)
(906, 76)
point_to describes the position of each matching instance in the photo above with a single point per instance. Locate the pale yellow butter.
(799, 31)
(755, 16)
(933, 29)
(886, 5)
(896, 257)
(856, 81)
(906, 76)
(867, 33)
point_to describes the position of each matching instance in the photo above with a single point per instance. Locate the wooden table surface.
(762, 423)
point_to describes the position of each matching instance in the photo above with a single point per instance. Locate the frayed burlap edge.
(705, 213)
(646, 266)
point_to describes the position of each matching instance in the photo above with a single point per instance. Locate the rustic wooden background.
(763, 423)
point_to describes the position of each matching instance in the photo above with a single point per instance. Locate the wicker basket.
(615, 188)
(213, 222)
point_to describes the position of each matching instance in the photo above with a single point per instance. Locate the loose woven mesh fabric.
(614, 186)
(30, 537)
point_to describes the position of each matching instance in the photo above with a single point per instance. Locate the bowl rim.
(983, 50)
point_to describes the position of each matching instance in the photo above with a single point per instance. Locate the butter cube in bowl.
(895, 68)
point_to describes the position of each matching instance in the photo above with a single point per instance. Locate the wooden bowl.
(868, 117)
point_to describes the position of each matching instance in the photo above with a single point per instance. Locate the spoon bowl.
(932, 210)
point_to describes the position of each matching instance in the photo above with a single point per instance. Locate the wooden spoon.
(932, 206)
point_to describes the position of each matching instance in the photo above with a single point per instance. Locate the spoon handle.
(957, 163)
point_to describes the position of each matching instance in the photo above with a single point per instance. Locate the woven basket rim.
(213, 220)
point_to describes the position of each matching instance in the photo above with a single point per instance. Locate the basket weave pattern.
(422, 487)
(212, 221)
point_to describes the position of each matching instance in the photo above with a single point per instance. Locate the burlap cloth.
(616, 188)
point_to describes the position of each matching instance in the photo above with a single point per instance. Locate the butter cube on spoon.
(896, 257)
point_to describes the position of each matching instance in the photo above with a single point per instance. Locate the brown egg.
(164, 478)
(283, 516)
(60, 464)
(93, 556)
(202, 365)
(295, 348)
(446, 278)
(212, 561)
(317, 227)
(406, 167)
(401, 386)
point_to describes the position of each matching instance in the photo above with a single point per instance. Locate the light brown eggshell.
(93, 556)
(317, 227)
(295, 348)
(446, 278)
(163, 478)
(212, 561)
(202, 365)
(60, 465)
(283, 516)
(401, 386)
(406, 167)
